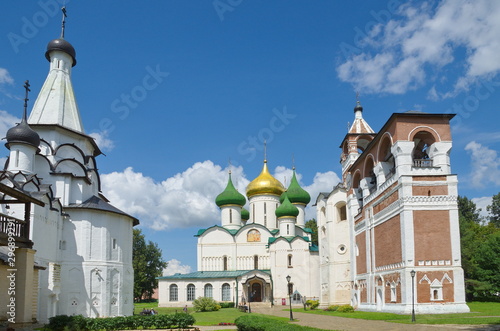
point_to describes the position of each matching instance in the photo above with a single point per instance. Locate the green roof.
(230, 196)
(288, 238)
(245, 214)
(212, 274)
(295, 193)
(201, 231)
(286, 209)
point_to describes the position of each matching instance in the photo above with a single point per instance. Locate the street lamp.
(412, 273)
(249, 298)
(289, 296)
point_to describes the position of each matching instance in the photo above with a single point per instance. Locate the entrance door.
(256, 295)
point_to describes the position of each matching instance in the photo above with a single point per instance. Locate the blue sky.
(173, 90)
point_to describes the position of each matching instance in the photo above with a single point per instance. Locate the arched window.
(224, 261)
(289, 262)
(173, 295)
(191, 292)
(208, 293)
(230, 216)
(226, 292)
(256, 262)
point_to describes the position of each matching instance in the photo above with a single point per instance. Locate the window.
(230, 216)
(224, 261)
(288, 229)
(114, 243)
(208, 291)
(226, 292)
(191, 290)
(256, 262)
(393, 292)
(174, 295)
(289, 260)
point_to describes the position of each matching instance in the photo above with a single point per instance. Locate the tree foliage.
(312, 224)
(148, 263)
(480, 245)
(494, 210)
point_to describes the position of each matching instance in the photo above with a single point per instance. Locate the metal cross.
(27, 88)
(63, 9)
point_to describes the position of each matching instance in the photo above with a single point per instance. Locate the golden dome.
(265, 183)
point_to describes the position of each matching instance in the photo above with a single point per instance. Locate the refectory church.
(389, 227)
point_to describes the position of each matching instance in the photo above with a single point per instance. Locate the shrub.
(205, 304)
(80, 323)
(332, 308)
(312, 304)
(226, 304)
(345, 309)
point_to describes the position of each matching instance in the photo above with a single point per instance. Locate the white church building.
(75, 255)
(248, 257)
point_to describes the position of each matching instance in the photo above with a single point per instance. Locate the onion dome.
(63, 46)
(245, 214)
(358, 107)
(295, 193)
(22, 133)
(286, 209)
(230, 196)
(265, 183)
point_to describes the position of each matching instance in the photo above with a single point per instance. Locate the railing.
(14, 227)
(422, 163)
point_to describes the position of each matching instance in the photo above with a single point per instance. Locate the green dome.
(295, 193)
(286, 209)
(230, 196)
(245, 214)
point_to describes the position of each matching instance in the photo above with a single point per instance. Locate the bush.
(332, 308)
(345, 309)
(80, 323)
(312, 304)
(205, 304)
(226, 304)
(256, 323)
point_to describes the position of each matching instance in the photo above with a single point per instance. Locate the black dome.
(61, 45)
(358, 107)
(22, 133)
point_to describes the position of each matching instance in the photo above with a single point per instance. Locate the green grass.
(481, 313)
(225, 315)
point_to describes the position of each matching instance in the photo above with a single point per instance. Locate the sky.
(176, 93)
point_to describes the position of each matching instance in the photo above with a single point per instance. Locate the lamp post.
(412, 273)
(289, 296)
(249, 298)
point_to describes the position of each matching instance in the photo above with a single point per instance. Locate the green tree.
(148, 264)
(494, 210)
(311, 224)
(480, 256)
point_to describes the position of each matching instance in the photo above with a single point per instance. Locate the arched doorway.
(256, 292)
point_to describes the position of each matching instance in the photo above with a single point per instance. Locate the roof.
(212, 274)
(97, 203)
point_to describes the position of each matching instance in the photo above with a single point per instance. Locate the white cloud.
(482, 203)
(485, 165)
(174, 266)
(183, 200)
(102, 140)
(7, 121)
(5, 77)
(187, 199)
(395, 55)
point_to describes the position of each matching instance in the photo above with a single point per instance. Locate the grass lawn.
(481, 313)
(225, 315)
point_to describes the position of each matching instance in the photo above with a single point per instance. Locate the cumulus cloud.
(5, 77)
(102, 140)
(393, 56)
(174, 266)
(187, 199)
(485, 165)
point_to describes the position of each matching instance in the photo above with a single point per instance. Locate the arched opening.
(173, 292)
(370, 174)
(224, 262)
(256, 262)
(208, 291)
(357, 190)
(385, 156)
(226, 292)
(423, 140)
(191, 292)
(289, 262)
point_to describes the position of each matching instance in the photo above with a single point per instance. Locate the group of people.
(148, 312)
